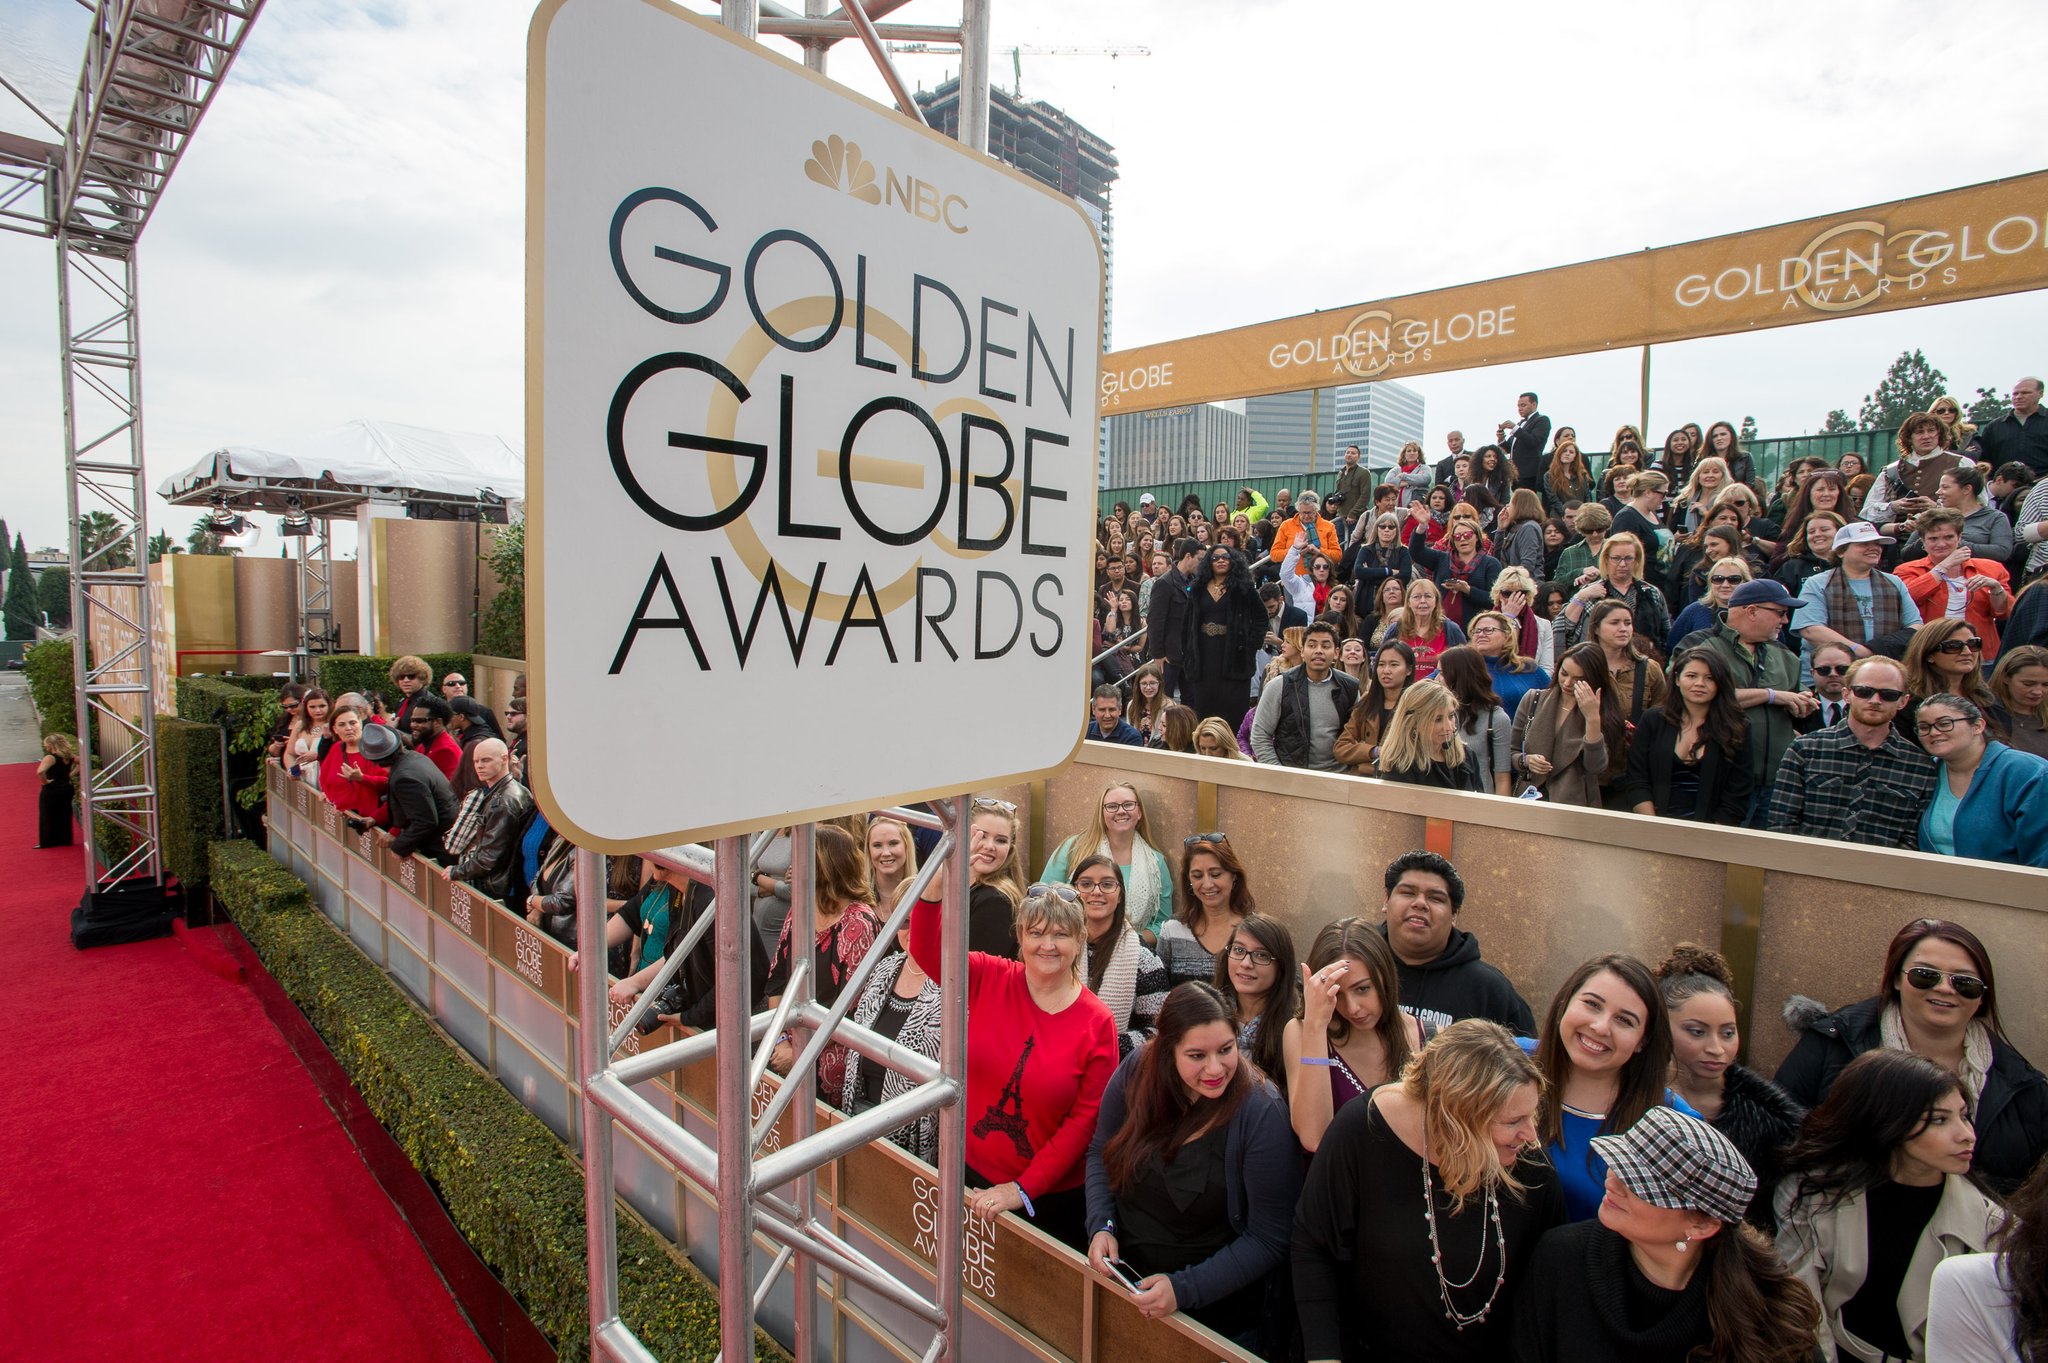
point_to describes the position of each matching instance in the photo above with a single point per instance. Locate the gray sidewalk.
(19, 739)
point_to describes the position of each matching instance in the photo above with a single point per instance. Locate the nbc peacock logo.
(837, 164)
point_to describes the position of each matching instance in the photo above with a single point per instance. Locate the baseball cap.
(1860, 532)
(1147, 500)
(379, 742)
(1680, 1163)
(1763, 591)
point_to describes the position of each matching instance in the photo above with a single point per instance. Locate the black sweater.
(1458, 985)
(1585, 1301)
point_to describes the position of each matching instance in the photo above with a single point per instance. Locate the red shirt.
(445, 752)
(1034, 1079)
(363, 794)
(1930, 594)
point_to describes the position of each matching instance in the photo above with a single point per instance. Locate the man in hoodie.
(1442, 978)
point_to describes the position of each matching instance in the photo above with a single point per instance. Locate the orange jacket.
(1290, 529)
(1930, 594)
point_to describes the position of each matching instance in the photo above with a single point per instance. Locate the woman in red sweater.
(351, 782)
(1040, 1050)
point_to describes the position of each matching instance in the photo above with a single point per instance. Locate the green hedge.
(341, 672)
(510, 1186)
(51, 685)
(188, 795)
(248, 717)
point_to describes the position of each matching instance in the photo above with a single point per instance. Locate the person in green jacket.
(1766, 679)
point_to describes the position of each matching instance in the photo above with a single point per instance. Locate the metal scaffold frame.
(317, 635)
(745, 1181)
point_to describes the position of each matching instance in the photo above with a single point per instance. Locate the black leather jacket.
(493, 856)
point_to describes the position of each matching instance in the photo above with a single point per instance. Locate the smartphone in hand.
(1125, 1274)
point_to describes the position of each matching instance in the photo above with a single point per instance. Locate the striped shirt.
(1831, 786)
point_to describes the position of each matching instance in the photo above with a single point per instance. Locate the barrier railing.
(502, 991)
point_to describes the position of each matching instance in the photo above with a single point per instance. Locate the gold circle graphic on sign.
(1864, 296)
(722, 421)
(1352, 361)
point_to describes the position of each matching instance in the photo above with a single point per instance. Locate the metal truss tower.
(151, 70)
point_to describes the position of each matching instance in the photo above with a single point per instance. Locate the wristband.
(1317, 1060)
(1025, 1198)
(1770, 696)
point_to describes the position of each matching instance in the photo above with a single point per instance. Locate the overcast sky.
(344, 239)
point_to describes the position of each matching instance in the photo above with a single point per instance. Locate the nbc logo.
(837, 164)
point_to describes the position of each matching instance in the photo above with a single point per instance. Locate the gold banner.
(1978, 242)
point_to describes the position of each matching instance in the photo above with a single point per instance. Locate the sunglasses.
(1727, 579)
(1245, 953)
(1831, 670)
(1926, 977)
(1960, 646)
(990, 802)
(1194, 838)
(1883, 693)
(1040, 887)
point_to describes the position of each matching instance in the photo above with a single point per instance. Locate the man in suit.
(1280, 616)
(1166, 614)
(1524, 441)
(1830, 687)
(1448, 465)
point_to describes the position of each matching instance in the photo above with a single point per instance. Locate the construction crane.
(1017, 55)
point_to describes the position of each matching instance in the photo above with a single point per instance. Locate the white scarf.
(1120, 979)
(1141, 882)
(1891, 1034)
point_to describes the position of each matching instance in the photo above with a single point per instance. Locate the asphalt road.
(19, 739)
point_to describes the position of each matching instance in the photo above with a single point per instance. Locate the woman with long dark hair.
(1358, 743)
(1993, 1308)
(1877, 1191)
(1605, 1052)
(1382, 1274)
(846, 928)
(1563, 733)
(1351, 1036)
(1689, 758)
(1226, 623)
(1750, 1110)
(1483, 726)
(1938, 998)
(1256, 976)
(1192, 1177)
(1121, 970)
(1215, 896)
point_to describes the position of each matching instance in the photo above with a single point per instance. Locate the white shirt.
(1969, 1312)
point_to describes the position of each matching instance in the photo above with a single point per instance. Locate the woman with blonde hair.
(1515, 674)
(1956, 433)
(1421, 747)
(1709, 479)
(2020, 684)
(57, 774)
(1421, 625)
(1213, 738)
(892, 859)
(1724, 575)
(1376, 1275)
(1515, 596)
(1120, 829)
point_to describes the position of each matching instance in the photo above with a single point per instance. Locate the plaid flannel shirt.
(1831, 786)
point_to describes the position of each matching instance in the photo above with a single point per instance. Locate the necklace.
(1444, 1286)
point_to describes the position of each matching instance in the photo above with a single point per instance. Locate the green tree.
(1747, 435)
(1988, 407)
(1910, 385)
(502, 631)
(202, 540)
(160, 545)
(98, 529)
(19, 605)
(1838, 423)
(53, 596)
(6, 538)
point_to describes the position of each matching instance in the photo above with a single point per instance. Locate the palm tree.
(160, 545)
(202, 540)
(98, 530)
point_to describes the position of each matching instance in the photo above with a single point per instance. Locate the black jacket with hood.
(1458, 985)
(2012, 1111)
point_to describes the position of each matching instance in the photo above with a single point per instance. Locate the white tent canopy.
(376, 460)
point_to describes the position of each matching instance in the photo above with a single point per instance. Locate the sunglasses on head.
(1831, 669)
(1194, 838)
(1883, 693)
(990, 802)
(1926, 977)
(1043, 887)
(1960, 646)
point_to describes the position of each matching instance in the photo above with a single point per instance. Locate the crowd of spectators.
(1857, 651)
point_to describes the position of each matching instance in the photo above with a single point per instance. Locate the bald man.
(490, 862)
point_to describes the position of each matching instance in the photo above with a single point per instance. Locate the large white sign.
(811, 441)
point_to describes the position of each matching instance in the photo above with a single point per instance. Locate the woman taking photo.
(1877, 1191)
(2020, 684)
(1514, 675)
(1121, 970)
(1483, 725)
(1420, 624)
(1351, 1036)
(1358, 742)
(1192, 1177)
(1936, 998)
(846, 928)
(1256, 977)
(1381, 1274)
(1753, 1113)
(1991, 801)
(1226, 624)
(1121, 830)
(1215, 895)
(1668, 1273)
(1040, 1053)
(1689, 758)
(351, 782)
(1564, 733)
(1421, 746)
(1605, 1054)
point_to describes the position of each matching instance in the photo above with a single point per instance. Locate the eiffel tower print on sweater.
(1006, 1116)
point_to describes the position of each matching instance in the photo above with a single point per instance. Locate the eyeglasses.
(989, 802)
(1830, 669)
(1194, 838)
(1883, 693)
(1040, 887)
(1960, 646)
(1926, 977)
(1096, 886)
(1945, 724)
(1245, 953)
(1120, 807)
(1726, 579)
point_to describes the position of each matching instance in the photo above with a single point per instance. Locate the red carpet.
(173, 1187)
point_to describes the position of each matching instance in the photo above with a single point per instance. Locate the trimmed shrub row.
(341, 672)
(509, 1185)
(188, 795)
(48, 668)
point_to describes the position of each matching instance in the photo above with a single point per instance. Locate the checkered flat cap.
(1678, 1162)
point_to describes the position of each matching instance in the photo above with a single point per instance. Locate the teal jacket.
(2004, 814)
(1143, 917)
